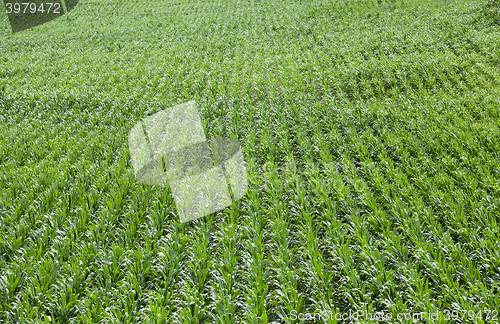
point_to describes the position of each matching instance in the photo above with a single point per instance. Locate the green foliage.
(371, 135)
(489, 13)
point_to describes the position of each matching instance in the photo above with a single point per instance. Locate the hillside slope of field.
(371, 134)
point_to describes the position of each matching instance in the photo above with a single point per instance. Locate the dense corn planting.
(370, 131)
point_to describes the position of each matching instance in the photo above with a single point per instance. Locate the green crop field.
(371, 133)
